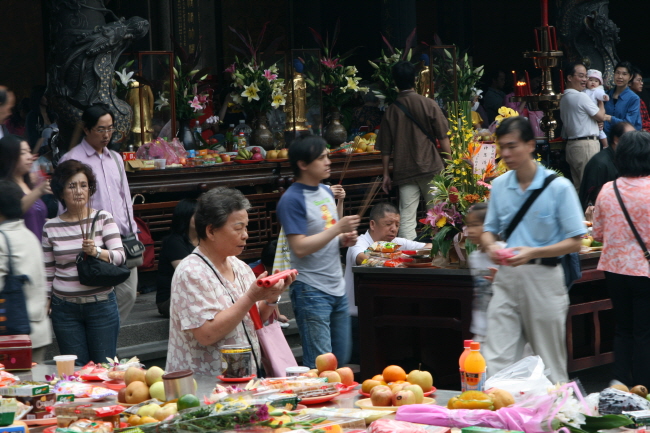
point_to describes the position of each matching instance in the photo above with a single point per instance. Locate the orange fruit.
(378, 377)
(370, 136)
(393, 373)
(369, 384)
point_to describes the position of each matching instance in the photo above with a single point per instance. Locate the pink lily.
(269, 75)
(196, 104)
(331, 63)
(203, 99)
(231, 69)
(329, 89)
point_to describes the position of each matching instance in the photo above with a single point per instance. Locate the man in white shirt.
(384, 226)
(580, 116)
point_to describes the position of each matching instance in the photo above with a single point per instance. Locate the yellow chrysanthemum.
(441, 222)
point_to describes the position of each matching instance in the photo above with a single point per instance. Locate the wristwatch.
(274, 303)
(99, 252)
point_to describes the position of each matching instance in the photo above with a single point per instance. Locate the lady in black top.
(175, 247)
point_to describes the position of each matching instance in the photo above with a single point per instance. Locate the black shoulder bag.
(133, 248)
(13, 305)
(646, 254)
(570, 262)
(95, 272)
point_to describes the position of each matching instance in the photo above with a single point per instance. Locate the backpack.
(144, 236)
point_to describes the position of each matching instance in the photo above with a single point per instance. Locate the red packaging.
(393, 426)
(16, 352)
(128, 156)
(503, 255)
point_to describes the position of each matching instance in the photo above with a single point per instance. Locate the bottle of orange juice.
(461, 363)
(475, 368)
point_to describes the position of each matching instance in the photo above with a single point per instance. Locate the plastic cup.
(65, 364)
(295, 371)
(160, 164)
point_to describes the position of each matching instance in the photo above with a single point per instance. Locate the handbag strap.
(646, 254)
(233, 301)
(91, 234)
(524, 208)
(414, 120)
(10, 266)
(121, 170)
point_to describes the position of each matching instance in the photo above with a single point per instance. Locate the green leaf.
(605, 422)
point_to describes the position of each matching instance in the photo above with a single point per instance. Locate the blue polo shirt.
(627, 108)
(555, 215)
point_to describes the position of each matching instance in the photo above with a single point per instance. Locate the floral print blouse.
(197, 296)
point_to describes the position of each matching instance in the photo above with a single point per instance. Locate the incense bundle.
(272, 280)
(370, 195)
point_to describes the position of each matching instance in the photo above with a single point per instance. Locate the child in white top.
(596, 92)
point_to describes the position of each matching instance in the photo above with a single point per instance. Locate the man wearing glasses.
(580, 117)
(112, 193)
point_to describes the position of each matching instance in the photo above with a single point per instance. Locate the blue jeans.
(323, 322)
(87, 330)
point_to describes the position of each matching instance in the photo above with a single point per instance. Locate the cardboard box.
(128, 156)
(24, 390)
(13, 429)
(40, 404)
(134, 165)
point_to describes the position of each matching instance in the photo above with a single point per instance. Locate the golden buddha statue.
(423, 83)
(296, 105)
(142, 119)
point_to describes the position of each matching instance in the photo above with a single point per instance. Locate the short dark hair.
(91, 115)
(633, 154)
(516, 123)
(479, 210)
(9, 155)
(635, 72)
(10, 200)
(4, 95)
(570, 68)
(306, 148)
(215, 206)
(183, 213)
(380, 210)
(618, 129)
(627, 65)
(403, 74)
(268, 253)
(62, 174)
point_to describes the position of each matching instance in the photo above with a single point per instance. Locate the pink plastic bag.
(392, 426)
(160, 149)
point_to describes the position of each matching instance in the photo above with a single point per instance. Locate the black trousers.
(631, 300)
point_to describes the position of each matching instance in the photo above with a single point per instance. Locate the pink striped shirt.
(62, 242)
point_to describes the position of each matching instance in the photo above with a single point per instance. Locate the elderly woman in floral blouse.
(213, 291)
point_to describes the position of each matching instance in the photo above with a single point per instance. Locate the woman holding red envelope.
(213, 291)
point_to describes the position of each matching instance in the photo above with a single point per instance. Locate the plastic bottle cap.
(475, 345)
(467, 343)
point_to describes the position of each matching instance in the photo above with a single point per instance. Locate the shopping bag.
(282, 260)
(276, 353)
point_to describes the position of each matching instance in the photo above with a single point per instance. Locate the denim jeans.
(87, 330)
(323, 322)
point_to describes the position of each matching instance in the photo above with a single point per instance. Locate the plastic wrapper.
(87, 426)
(367, 415)
(83, 390)
(393, 426)
(133, 410)
(7, 378)
(503, 255)
(613, 401)
(92, 372)
(522, 379)
(383, 247)
(374, 262)
(161, 149)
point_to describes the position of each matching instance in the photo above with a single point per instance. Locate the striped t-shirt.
(62, 242)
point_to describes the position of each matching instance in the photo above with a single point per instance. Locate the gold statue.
(136, 94)
(296, 103)
(423, 84)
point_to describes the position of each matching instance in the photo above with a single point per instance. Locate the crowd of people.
(208, 293)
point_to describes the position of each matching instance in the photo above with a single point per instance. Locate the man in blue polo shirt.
(308, 214)
(530, 300)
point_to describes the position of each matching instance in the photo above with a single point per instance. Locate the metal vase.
(262, 135)
(335, 133)
(186, 135)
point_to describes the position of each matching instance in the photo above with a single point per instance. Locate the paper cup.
(159, 164)
(295, 371)
(65, 364)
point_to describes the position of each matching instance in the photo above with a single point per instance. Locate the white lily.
(125, 78)
(161, 102)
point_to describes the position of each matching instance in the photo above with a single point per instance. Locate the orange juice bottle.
(475, 369)
(461, 363)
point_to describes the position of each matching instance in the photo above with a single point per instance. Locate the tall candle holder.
(545, 57)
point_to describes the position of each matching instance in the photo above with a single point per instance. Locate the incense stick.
(346, 164)
(370, 195)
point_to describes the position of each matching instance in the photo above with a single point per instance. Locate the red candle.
(554, 38)
(544, 13)
(561, 81)
(536, 39)
(514, 82)
(528, 88)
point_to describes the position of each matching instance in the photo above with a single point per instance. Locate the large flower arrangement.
(466, 77)
(338, 83)
(256, 88)
(383, 65)
(458, 187)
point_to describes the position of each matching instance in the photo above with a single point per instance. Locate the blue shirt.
(309, 210)
(556, 215)
(627, 108)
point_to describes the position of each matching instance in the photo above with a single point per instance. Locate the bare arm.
(303, 245)
(601, 116)
(445, 148)
(360, 258)
(28, 200)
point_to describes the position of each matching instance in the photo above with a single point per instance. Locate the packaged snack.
(503, 255)
(7, 378)
(383, 247)
(39, 405)
(83, 390)
(25, 389)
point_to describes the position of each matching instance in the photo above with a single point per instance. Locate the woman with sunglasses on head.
(85, 319)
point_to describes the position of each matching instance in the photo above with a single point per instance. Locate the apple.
(165, 411)
(136, 392)
(403, 398)
(332, 376)
(134, 374)
(309, 374)
(378, 387)
(417, 391)
(272, 154)
(422, 378)
(381, 397)
(148, 410)
(157, 391)
(121, 395)
(396, 387)
(368, 385)
(153, 375)
(314, 370)
(325, 362)
(586, 241)
(370, 148)
(225, 158)
(283, 154)
(347, 376)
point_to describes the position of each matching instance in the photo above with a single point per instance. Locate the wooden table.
(421, 316)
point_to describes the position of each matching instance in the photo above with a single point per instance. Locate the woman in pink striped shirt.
(85, 319)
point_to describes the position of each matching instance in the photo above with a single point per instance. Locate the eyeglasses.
(103, 131)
